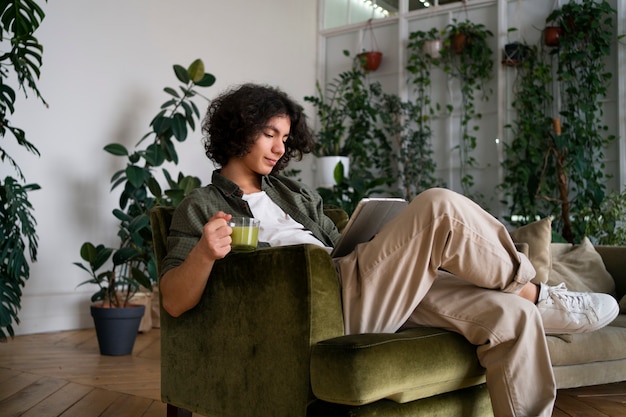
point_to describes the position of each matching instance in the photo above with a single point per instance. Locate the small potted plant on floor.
(120, 272)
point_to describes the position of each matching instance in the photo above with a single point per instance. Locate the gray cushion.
(606, 344)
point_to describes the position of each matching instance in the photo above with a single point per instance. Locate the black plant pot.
(117, 328)
(515, 54)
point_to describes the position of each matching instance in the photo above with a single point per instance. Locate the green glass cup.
(245, 236)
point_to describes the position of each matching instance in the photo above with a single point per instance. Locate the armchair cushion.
(405, 366)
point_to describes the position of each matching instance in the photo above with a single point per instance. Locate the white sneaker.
(564, 311)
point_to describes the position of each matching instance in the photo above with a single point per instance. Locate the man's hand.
(216, 236)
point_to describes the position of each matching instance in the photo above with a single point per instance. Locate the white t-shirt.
(277, 227)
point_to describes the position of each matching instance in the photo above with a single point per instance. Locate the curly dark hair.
(235, 118)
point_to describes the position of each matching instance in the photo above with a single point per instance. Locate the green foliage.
(410, 123)
(133, 263)
(525, 160)
(403, 123)
(348, 114)
(17, 237)
(559, 172)
(387, 139)
(19, 19)
(471, 62)
(605, 225)
(581, 73)
(347, 192)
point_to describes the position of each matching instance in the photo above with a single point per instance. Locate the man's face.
(269, 146)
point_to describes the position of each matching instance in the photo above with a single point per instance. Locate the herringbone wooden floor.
(63, 374)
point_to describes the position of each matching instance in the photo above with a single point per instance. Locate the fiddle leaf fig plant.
(133, 264)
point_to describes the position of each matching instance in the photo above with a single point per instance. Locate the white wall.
(105, 65)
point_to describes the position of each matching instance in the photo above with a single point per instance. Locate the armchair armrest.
(244, 350)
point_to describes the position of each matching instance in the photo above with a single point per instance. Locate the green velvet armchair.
(267, 339)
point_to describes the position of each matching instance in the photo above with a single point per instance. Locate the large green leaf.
(181, 74)
(136, 175)
(179, 127)
(88, 252)
(116, 149)
(196, 70)
(141, 278)
(206, 81)
(124, 255)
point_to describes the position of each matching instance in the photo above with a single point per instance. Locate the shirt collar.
(229, 188)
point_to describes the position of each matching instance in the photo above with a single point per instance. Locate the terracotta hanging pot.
(458, 42)
(370, 61)
(551, 35)
(370, 58)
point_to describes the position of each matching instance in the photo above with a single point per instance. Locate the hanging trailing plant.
(525, 153)
(467, 56)
(408, 123)
(554, 164)
(582, 81)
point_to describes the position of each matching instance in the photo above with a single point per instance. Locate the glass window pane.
(363, 10)
(345, 12)
(335, 13)
(423, 4)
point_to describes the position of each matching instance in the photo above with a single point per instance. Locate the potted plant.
(583, 81)
(20, 65)
(551, 35)
(554, 164)
(409, 122)
(347, 119)
(515, 52)
(133, 265)
(472, 66)
(330, 148)
(116, 320)
(524, 154)
(369, 59)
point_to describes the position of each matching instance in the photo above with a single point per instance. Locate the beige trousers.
(396, 280)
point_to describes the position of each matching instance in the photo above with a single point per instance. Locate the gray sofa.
(598, 357)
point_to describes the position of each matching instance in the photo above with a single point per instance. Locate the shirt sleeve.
(185, 231)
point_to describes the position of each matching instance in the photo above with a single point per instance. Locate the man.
(443, 262)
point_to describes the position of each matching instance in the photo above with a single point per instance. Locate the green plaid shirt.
(302, 203)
